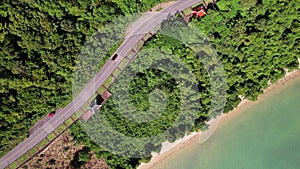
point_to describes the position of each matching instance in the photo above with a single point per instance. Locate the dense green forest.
(40, 42)
(156, 98)
(255, 40)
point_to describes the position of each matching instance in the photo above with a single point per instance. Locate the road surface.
(90, 89)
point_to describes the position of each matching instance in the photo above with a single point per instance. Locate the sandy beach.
(169, 149)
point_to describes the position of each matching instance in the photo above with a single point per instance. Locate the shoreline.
(171, 148)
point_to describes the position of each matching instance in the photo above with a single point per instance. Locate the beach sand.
(169, 149)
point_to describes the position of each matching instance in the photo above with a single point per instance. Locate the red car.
(51, 114)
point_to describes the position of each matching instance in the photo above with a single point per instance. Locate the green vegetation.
(40, 41)
(59, 129)
(161, 104)
(39, 45)
(108, 82)
(101, 90)
(69, 121)
(114, 161)
(23, 158)
(256, 40)
(123, 63)
(42, 143)
(32, 151)
(14, 165)
(51, 136)
(81, 157)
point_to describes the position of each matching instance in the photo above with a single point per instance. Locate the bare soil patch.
(61, 153)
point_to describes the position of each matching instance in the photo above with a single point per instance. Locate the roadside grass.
(42, 144)
(23, 158)
(51, 136)
(69, 122)
(108, 81)
(33, 151)
(13, 165)
(101, 90)
(59, 129)
(123, 63)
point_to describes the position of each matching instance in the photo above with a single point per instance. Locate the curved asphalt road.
(148, 25)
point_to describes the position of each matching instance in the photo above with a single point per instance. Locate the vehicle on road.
(51, 114)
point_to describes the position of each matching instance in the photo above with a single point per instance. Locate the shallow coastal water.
(263, 135)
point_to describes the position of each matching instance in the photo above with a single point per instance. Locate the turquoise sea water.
(263, 136)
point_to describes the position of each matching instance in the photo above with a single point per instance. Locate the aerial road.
(90, 89)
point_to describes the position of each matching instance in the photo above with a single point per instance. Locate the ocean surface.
(264, 135)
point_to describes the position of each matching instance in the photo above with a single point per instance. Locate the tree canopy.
(39, 45)
(40, 41)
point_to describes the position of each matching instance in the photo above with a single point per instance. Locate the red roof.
(199, 14)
